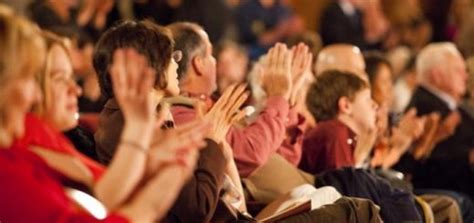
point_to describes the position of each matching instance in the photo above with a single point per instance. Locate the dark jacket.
(395, 205)
(337, 27)
(448, 166)
(198, 198)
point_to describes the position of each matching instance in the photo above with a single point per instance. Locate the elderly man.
(442, 76)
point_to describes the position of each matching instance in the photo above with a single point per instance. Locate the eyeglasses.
(177, 55)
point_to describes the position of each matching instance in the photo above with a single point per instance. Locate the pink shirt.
(253, 144)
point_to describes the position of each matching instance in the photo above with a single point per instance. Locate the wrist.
(138, 132)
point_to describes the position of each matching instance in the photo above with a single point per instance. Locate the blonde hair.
(21, 46)
(21, 56)
(44, 77)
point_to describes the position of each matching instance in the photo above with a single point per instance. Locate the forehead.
(205, 38)
(59, 59)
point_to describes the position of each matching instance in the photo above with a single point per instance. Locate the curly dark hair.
(149, 39)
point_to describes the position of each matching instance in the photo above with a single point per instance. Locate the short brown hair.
(147, 38)
(324, 94)
(189, 41)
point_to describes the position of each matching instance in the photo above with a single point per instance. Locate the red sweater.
(30, 191)
(330, 145)
(254, 144)
(38, 133)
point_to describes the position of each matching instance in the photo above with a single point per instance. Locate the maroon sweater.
(330, 145)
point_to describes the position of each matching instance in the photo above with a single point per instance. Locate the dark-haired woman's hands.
(132, 80)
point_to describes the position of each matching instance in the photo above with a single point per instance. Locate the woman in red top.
(32, 189)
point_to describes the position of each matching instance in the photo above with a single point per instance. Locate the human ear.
(344, 105)
(198, 65)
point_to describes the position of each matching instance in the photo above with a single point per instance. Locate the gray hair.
(433, 56)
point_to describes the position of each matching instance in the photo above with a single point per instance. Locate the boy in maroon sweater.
(341, 103)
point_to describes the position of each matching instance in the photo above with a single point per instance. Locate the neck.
(349, 122)
(193, 85)
(6, 139)
(8, 133)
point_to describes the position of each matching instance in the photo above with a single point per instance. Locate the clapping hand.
(277, 80)
(225, 112)
(300, 64)
(132, 80)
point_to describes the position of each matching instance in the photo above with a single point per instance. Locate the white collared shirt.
(446, 98)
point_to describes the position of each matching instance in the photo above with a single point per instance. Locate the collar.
(202, 97)
(446, 98)
(351, 136)
(347, 7)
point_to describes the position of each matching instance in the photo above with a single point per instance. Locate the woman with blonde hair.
(33, 177)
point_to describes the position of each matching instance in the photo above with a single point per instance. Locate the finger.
(298, 57)
(131, 68)
(411, 112)
(223, 99)
(200, 108)
(117, 72)
(233, 99)
(281, 56)
(238, 103)
(309, 62)
(238, 117)
(146, 83)
(270, 60)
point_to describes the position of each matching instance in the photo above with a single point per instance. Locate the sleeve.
(292, 147)
(254, 144)
(199, 197)
(31, 194)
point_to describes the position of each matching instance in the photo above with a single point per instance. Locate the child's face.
(364, 110)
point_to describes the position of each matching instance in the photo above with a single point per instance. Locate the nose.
(75, 89)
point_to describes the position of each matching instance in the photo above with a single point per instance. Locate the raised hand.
(411, 125)
(277, 80)
(300, 66)
(132, 80)
(448, 126)
(427, 140)
(225, 112)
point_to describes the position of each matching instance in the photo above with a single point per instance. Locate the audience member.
(342, 104)
(342, 57)
(262, 23)
(200, 195)
(25, 189)
(360, 23)
(442, 76)
(197, 79)
(231, 65)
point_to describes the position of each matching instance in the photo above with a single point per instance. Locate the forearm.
(126, 169)
(153, 202)
(254, 144)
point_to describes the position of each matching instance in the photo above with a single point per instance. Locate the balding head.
(441, 65)
(342, 57)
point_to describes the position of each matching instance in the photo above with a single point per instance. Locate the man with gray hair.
(441, 72)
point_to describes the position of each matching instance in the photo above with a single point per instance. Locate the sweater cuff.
(278, 106)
